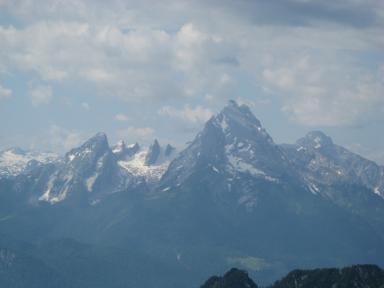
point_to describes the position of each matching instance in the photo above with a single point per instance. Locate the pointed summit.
(237, 122)
(233, 142)
(93, 148)
(233, 278)
(315, 140)
(168, 150)
(237, 116)
(119, 147)
(90, 172)
(153, 153)
(123, 151)
(99, 140)
(133, 149)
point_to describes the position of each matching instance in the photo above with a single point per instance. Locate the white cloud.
(198, 114)
(62, 139)
(320, 91)
(186, 50)
(121, 117)
(133, 64)
(5, 92)
(86, 106)
(140, 134)
(97, 74)
(41, 94)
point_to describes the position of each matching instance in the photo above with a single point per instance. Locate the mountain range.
(358, 276)
(142, 216)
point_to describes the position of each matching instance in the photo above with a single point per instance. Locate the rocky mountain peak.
(120, 146)
(232, 142)
(234, 117)
(123, 151)
(168, 150)
(315, 140)
(233, 278)
(153, 153)
(93, 148)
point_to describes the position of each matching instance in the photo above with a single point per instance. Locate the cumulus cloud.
(326, 93)
(140, 134)
(41, 94)
(192, 51)
(5, 92)
(63, 139)
(86, 106)
(197, 114)
(132, 64)
(121, 117)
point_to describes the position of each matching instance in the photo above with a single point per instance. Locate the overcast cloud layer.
(161, 68)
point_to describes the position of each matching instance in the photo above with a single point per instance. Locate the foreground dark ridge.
(358, 276)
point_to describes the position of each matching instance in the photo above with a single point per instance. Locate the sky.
(139, 70)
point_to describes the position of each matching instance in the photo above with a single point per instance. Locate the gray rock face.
(233, 196)
(238, 152)
(169, 149)
(321, 161)
(123, 152)
(153, 153)
(88, 173)
(15, 161)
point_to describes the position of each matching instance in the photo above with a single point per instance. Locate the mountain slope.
(231, 197)
(323, 162)
(146, 163)
(359, 276)
(14, 161)
(233, 278)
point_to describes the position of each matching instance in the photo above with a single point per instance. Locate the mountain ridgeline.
(358, 276)
(158, 216)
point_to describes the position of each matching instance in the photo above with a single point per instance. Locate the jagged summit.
(233, 142)
(120, 146)
(233, 278)
(93, 148)
(99, 138)
(316, 140)
(149, 163)
(234, 117)
(123, 151)
(153, 153)
(169, 150)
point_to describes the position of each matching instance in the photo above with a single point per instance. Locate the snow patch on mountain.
(137, 164)
(14, 161)
(239, 156)
(377, 191)
(91, 181)
(313, 188)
